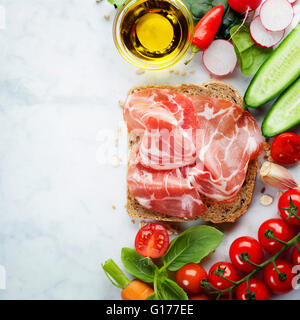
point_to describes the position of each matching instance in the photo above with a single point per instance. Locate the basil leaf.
(170, 290)
(140, 267)
(191, 246)
(250, 56)
(153, 296)
(116, 3)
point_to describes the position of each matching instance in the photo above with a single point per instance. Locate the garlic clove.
(277, 176)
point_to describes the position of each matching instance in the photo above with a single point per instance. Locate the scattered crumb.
(171, 71)
(210, 76)
(183, 74)
(114, 207)
(120, 159)
(172, 229)
(266, 200)
(140, 71)
(98, 1)
(116, 142)
(267, 148)
(107, 17)
(119, 130)
(115, 161)
(263, 190)
(192, 72)
(121, 104)
(279, 194)
(133, 221)
(176, 72)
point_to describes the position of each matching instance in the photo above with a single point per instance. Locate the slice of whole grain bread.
(216, 212)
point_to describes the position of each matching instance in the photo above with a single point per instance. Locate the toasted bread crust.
(216, 212)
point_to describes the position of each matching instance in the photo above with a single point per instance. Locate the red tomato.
(272, 278)
(249, 245)
(242, 6)
(152, 240)
(230, 273)
(256, 286)
(286, 148)
(199, 297)
(288, 203)
(296, 256)
(281, 231)
(189, 278)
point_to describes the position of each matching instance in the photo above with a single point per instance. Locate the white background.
(60, 82)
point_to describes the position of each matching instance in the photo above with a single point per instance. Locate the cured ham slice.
(169, 125)
(167, 192)
(229, 139)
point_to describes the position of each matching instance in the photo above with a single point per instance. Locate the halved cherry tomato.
(272, 278)
(259, 289)
(229, 273)
(247, 245)
(281, 231)
(152, 240)
(288, 205)
(189, 278)
(199, 297)
(285, 148)
(296, 256)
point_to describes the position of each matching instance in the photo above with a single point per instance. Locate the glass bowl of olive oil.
(153, 34)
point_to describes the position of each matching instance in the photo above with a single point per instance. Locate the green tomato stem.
(286, 245)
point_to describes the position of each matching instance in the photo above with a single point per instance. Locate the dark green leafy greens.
(142, 268)
(199, 8)
(250, 55)
(191, 246)
(170, 290)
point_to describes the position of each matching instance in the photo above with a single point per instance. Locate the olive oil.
(154, 30)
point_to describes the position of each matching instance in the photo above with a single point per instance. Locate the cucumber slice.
(285, 112)
(276, 74)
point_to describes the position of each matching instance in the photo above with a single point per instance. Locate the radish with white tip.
(292, 1)
(220, 58)
(263, 37)
(276, 15)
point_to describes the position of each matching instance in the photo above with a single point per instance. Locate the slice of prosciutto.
(167, 192)
(229, 139)
(169, 126)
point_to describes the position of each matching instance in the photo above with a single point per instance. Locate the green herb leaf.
(250, 56)
(170, 290)
(230, 19)
(153, 296)
(116, 3)
(140, 267)
(191, 246)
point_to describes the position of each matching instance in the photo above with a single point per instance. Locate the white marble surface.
(60, 82)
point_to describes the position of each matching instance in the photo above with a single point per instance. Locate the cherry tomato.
(189, 278)
(285, 148)
(250, 246)
(261, 292)
(152, 240)
(281, 231)
(272, 279)
(230, 273)
(288, 204)
(199, 297)
(296, 256)
(242, 6)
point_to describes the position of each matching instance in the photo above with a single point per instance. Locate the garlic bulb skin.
(277, 176)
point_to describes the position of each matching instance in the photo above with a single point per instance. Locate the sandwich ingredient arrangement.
(193, 154)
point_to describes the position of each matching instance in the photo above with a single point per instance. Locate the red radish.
(276, 15)
(244, 5)
(263, 37)
(292, 1)
(220, 58)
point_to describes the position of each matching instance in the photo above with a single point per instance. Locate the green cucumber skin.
(289, 100)
(251, 97)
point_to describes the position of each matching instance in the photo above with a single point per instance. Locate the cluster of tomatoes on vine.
(237, 279)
